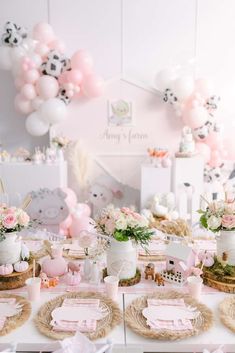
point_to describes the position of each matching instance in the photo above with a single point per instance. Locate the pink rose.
(9, 221)
(228, 221)
(23, 219)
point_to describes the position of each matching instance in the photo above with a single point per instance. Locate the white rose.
(214, 222)
(121, 224)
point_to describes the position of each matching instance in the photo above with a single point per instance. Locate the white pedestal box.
(21, 178)
(153, 181)
(188, 185)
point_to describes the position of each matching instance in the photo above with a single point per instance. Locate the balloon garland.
(195, 102)
(47, 80)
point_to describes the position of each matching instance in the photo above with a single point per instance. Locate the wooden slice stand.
(227, 284)
(17, 279)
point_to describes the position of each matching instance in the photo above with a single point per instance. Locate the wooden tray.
(227, 285)
(17, 279)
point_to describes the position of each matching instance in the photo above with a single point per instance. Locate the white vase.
(87, 268)
(226, 243)
(121, 254)
(94, 274)
(10, 249)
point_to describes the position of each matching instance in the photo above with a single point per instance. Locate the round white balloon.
(183, 87)
(53, 110)
(5, 58)
(17, 54)
(164, 78)
(35, 126)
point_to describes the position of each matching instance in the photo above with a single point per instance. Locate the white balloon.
(164, 78)
(17, 53)
(36, 59)
(35, 126)
(53, 111)
(29, 44)
(36, 103)
(5, 58)
(183, 87)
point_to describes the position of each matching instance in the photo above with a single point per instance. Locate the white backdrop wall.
(134, 39)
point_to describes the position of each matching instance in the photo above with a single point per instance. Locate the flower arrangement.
(60, 141)
(219, 215)
(12, 219)
(124, 224)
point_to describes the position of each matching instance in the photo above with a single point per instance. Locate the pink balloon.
(80, 224)
(204, 87)
(43, 32)
(83, 209)
(71, 198)
(93, 86)
(42, 49)
(58, 45)
(31, 76)
(28, 91)
(229, 144)
(47, 87)
(214, 140)
(63, 78)
(74, 76)
(195, 117)
(19, 82)
(22, 105)
(82, 60)
(203, 150)
(215, 160)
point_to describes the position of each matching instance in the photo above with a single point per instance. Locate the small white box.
(21, 178)
(154, 180)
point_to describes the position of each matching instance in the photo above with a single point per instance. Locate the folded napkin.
(172, 325)
(3, 318)
(80, 325)
(74, 249)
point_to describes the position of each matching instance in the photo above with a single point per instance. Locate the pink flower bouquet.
(219, 215)
(124, 224)
(12, 219)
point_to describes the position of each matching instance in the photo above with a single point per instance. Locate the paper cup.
(195, 286)
(57, 251)
(111, 286)
(33, 288)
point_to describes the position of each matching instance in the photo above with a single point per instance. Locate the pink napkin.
(2, 318)
(169, 324)
(82, 325)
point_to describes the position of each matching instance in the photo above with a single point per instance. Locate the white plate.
(169, 313)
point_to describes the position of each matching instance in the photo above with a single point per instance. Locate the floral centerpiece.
(219, 217)
(12, 220)
(125, 228)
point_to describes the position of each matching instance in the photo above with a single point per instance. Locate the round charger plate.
(137, 322)
(17, 320)
(104, 326)
(227, 312)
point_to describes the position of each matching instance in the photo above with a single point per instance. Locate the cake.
(187, 143)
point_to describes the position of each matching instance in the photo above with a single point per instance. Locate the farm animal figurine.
(159, 279)
(149, 271)
(48, 282)
(48, 208)
(106, 190)
(163, 206)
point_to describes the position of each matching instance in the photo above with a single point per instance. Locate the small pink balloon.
(42, 49)
(204, 151)
(43, 32)
(47, 87)
(93, 86)
(28, 91)
(80, 224)
(36, 103)
(214, 140)
(70, 93)
(215, 160)
(63, 78)
(31, 76)
(58, 45)
(195, 117)
(68, 86)
(22, 105)
(75, 77)
(19, 82)
(71, 198)
(204, 87)
(83, 209)
(82, 60)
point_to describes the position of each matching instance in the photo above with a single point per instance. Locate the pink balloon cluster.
(195, 102)
(46, 79)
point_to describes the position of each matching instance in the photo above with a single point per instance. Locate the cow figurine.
(159, 279)
(149, 271)
(48, 208)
